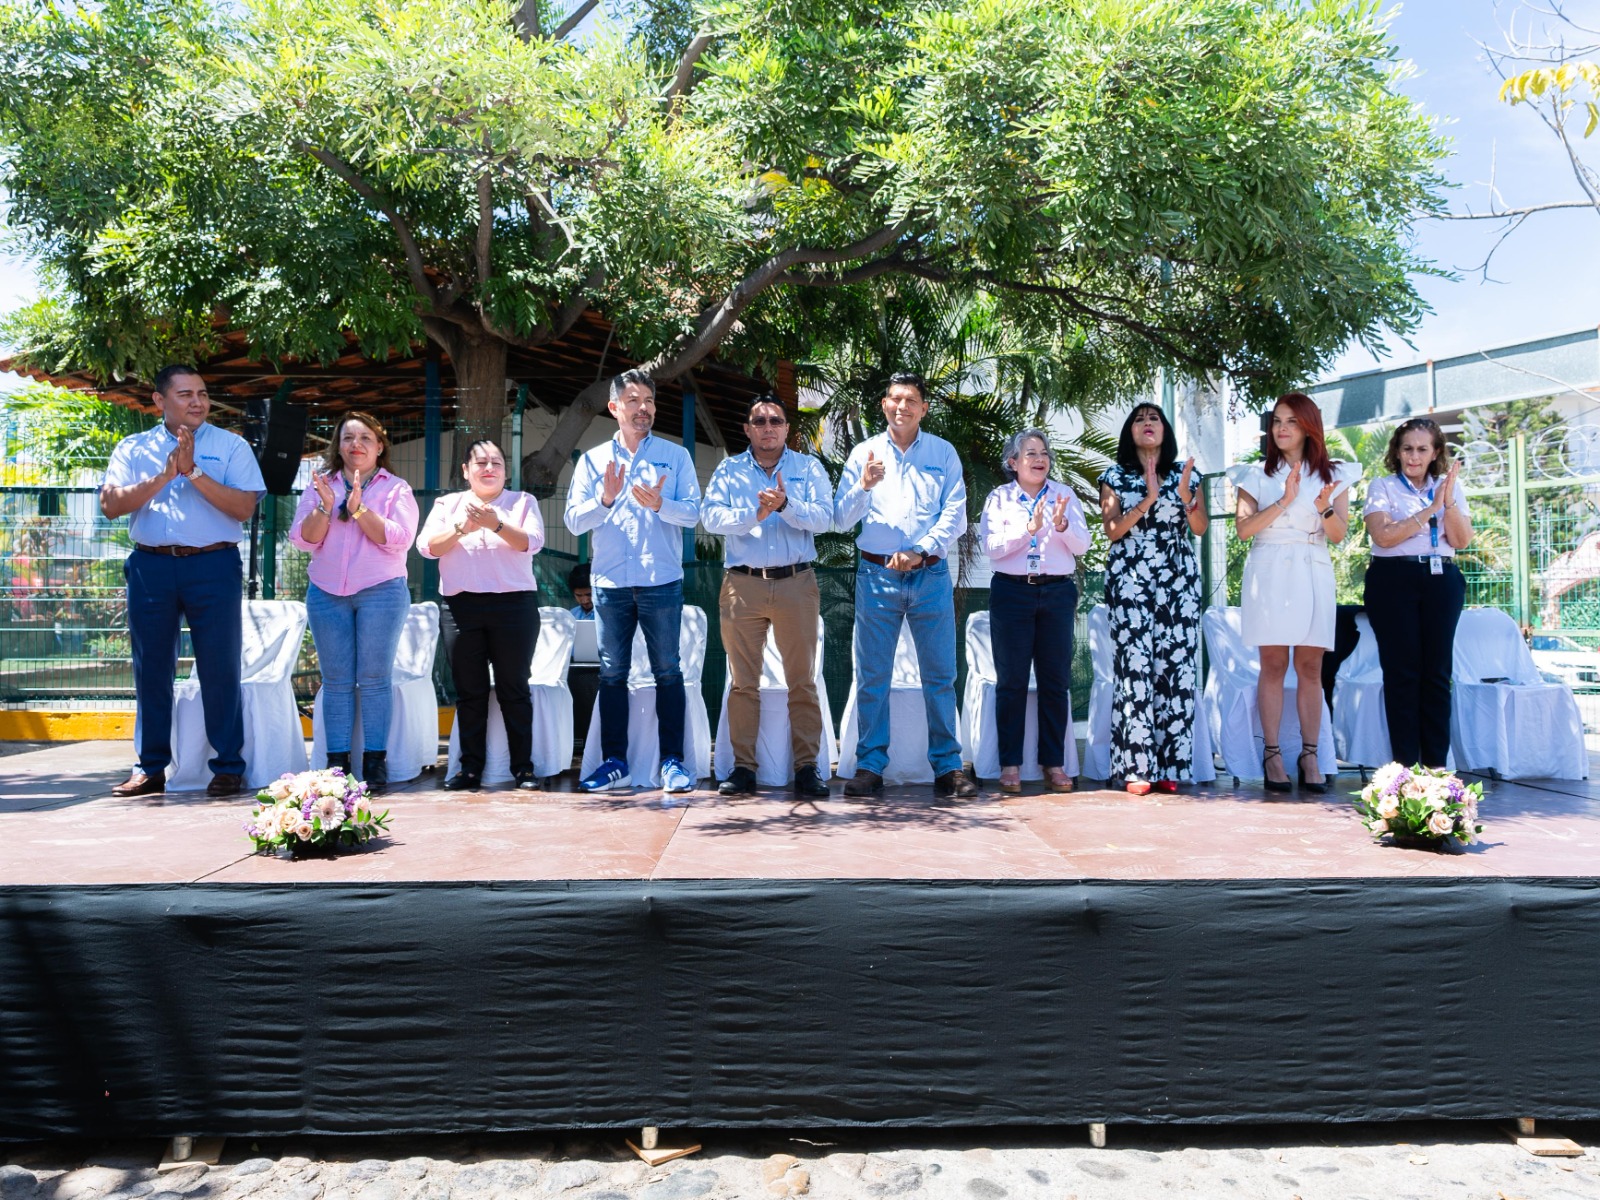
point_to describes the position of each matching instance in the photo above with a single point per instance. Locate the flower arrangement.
(1426, 804)
(314, 812)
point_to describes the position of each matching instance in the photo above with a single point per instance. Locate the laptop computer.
(586, 645)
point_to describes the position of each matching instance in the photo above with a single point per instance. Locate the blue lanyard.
(1433, 521)
(1033, 537)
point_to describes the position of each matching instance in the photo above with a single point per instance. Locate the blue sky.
(1545, 279)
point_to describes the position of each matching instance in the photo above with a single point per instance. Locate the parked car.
(1563, 660)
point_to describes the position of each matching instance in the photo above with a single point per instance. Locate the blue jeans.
(207, 590)
(356, 638)
(659, 612)
(884, 599)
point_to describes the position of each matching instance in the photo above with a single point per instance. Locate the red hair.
(1314, 455)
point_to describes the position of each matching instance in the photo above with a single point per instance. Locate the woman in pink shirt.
(485, 539)
(357, 521)
(1032, 530)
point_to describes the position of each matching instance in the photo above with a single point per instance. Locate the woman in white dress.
(1290, 507)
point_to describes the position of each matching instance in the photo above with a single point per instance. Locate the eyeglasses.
(762, 422)
(1034, 456)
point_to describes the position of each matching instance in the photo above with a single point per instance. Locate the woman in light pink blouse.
(1417, 519)
(1032, 529)
(357, 521)
(485, 539)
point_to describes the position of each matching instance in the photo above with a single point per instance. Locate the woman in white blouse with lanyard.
(1290, 507)
(1417, 519)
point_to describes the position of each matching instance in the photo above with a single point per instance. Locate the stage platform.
(513, 960)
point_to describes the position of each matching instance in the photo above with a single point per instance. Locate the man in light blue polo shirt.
(636, 494)
(768, 503)
(187, 488)
(906, 489)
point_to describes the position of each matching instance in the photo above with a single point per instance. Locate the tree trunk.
(480, 367)
(543, 467)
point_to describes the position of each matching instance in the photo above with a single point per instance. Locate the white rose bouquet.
(314, 812)
(1420, 803)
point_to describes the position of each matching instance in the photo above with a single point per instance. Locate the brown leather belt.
(185, 551)
(772, 572)
(882, 560)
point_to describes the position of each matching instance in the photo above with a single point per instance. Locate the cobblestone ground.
(1462, 1161)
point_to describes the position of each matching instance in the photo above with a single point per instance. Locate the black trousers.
(1031, 625)
(1414, 614)
(499, 629)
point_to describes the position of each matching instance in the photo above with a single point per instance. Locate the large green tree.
(1221, 187)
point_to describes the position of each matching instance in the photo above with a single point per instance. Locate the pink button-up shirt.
(481, 560)
(347, 560)
(1003, 531)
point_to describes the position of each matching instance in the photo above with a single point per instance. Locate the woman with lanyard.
(484, 539)
(1152, 512)
(357, 521)
(1290, 507)
(1417, 521)
(1032, 530)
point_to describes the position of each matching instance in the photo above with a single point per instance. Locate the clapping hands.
(1058, 513)
(478, 515)
(648, 495)
(770, 500)
(324, 491)
(611, 485)
(1185, 489)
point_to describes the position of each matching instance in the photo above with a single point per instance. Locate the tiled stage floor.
(58, 826)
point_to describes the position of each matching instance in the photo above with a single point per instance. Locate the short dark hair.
(764, 398)
(620, 383)
(911, 379)
(1441, 449)
(1128, 454)
(466, 455)
(171, 371)
(578, 577)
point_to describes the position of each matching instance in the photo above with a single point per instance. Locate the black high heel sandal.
(1321, 786)
(1273, 785)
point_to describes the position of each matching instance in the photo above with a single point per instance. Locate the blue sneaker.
(609, 776)
(674, 778)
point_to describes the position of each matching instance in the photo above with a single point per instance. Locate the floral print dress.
(1153, 594)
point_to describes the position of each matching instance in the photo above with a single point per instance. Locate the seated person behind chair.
(768, 503)
(582, 592)
(187, 487)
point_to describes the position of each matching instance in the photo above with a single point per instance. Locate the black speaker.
(1266, 429)
(277, 433)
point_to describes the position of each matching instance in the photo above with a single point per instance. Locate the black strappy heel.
(1321, 786)
(1273, 785)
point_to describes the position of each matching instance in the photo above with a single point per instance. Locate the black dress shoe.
(140, 784)
(375, 770)
(741, 781)
(225, 785)
(527, 779)
(956, 785)
(464, 781)
(808, 781)
(864, 783)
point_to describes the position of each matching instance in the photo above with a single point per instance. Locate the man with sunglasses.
(768, 503)
(906, 489)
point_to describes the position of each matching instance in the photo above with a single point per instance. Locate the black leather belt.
(882, 560)
(185, 551)
(1034, 579)
(772, 572)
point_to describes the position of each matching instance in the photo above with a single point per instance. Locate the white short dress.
(1287, 598)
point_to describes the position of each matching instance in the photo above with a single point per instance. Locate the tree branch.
(573, 21)
(526, 20)
(1506, 214)
(384, 204)
(683, 77)
(485, 239)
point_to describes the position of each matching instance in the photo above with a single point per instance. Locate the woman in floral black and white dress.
(1151, 508)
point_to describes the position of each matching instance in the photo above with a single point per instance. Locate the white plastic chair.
(274, 741)
(1102, 694)
(414, 712)
(908, 720)
(552, 707)
(1519, 725)
(644, 735)
(980, 740)
(1230, 701)
(774, 755)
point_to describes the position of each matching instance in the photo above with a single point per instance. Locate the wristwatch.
(499, 524)
(194, 473)
(358, 510)
(1327, 512)
(461, 528)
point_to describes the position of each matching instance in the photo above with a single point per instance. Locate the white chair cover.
(644, 735)
(552, 707)
(1524, 727)
(414, 712)
(1230, 703)
(1097, 745)
(980, 739)
(274, 742)
(908, 720)
(774, 756)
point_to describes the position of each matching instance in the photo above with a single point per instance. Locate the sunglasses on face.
(762, 422)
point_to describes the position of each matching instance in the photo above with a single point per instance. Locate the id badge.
(1033, 565)
(1436, 565)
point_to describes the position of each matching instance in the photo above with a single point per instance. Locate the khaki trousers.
(790, 606)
